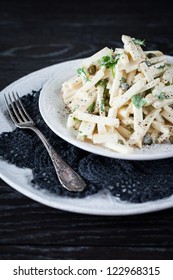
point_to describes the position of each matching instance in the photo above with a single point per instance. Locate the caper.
(148, 63)
(147, 140)
(124, 86)
(171, 139)
(150, 55)
(92, 70)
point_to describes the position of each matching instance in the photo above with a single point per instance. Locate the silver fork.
(66, 175)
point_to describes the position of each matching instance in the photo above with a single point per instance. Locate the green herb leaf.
(102, 105)
(110, 62)
(91, 108)
(162, 96)
(107, 61)
(161, 66)
(102, 83)
(139, 42)
(75, 119)
(138, 101)
(123, 80)
(82, 73)
(164, 65)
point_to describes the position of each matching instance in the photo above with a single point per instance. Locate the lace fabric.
(133, 181)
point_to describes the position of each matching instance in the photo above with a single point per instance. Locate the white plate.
(53, 111)
(19, 179)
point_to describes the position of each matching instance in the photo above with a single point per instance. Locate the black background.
(38, 34)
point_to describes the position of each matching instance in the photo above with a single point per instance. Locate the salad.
(122, 98)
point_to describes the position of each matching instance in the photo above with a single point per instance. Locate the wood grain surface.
(33, 36)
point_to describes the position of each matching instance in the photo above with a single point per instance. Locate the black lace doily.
(134, 181)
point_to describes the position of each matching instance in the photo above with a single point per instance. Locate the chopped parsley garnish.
(84, 136)
(138, 101)
(162, 96)
(81, 72)
(102, 83)
(75, 119)
(138, 42)
(102, 107)
(123, 80)
(110, 62)
(91, 108)
(164, 65)
(161, 66)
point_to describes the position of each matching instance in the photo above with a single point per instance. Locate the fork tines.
(16, 109)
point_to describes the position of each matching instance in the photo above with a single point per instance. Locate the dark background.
(36, 35)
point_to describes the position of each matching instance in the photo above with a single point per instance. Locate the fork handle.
(66, 175)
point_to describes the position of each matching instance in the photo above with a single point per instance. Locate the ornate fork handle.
(66, 175)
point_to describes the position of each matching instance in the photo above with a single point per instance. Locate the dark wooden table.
(39, 35)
